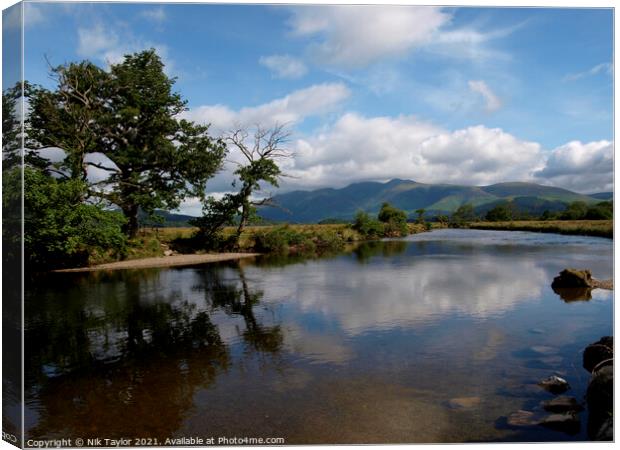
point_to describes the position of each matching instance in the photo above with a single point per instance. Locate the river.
(435, 338)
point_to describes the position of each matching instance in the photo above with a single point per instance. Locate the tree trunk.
(131, 214)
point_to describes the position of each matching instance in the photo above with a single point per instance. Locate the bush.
(367, 227)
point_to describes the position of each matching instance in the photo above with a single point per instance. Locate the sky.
(462, 95)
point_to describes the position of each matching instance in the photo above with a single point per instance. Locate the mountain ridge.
(307, 206)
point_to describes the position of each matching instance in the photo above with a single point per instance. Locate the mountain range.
(344, 203)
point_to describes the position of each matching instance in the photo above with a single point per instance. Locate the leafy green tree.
(157, 159)
(575, 211)
(502, 212)
(60, 229)
(601, 211)
(420, 212)
(69, 117)
(394, 219)
(367, 226)
(463, 214)
(129, 115)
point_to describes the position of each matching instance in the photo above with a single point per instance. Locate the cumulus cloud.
(492, 101)
(284, 66)
(583, 167)
(355, 36)
(290, 109)
(357, 148)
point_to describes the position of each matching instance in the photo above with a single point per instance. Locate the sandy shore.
(163, 261)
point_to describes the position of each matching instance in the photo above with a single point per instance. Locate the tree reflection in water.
(127, 360)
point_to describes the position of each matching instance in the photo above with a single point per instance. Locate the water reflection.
(349, 348)
(127, 360)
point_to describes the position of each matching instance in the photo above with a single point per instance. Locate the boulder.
(523, 418)
(573, 278)
(598, 352)
(554, 384)
(606, 431)
(568, 422)
(600, 392)
(562, 404)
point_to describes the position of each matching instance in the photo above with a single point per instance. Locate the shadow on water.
(126, 360)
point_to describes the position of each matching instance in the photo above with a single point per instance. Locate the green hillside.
(314, 206)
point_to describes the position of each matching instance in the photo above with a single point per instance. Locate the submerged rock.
(554, 384)
(523, 418)
(464, 402)
(573, 278)
(600, 392)
(568, 422)
(598, 352)
(562, 404)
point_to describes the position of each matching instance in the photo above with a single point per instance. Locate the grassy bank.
(294, 239)
(600, 228)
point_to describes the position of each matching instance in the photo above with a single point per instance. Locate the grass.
(600, 228)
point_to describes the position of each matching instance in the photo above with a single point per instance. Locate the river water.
(436, 338)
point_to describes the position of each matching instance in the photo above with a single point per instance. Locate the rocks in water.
(523, 418)
(554, 384)
(598, 352)
(568, 422)
(562, 404)
(464, 402)
(573, 278)
(600, 392)
(606, 431)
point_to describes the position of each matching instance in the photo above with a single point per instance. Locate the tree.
(70, 116)
(127, 120)
(395, 220)
(420, 212)
(464, 213)
(157, 160)
(501, 212)
(60, 229)
(367, 226)
(575, 211)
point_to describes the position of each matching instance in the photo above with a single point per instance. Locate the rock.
(554, 384)
(598, 352)
(604, 284)
(573, 278)
(464, 402)
(523, 418)
(606, 431)
(544, 350)
(600, 392)
(168, 253)
(568, 422)
(562, 404)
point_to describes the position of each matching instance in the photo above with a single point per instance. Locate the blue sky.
(455, 95)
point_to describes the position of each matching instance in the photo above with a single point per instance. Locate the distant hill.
(169, 219)
(342, 204)
(603, 195)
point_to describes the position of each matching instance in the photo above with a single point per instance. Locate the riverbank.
(597, 228)
(163, 261)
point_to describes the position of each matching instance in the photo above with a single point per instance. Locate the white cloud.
(12, 16)
(110, 44)
(492, 101)
(356, 148)
(284, 66)
(354, 36)
(583, 167)
(292, 108)
(606, 68)
(156, 15)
